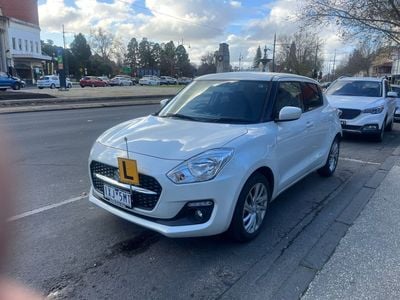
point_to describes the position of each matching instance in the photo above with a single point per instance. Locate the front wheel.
(389, 127)
(379, 136)
(251, 209)
(52, 86)
(16, 87)
(331, 163)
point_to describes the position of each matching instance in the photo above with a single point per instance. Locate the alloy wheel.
(255, 207)
(333, 156)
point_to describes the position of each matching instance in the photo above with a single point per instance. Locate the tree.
(168, 59)
(207, 65)
(144, 53)
(300, 53)
(132, 54)
(102, 43)
(257, 58)
(182, 62)
(81, 54)
(367, 19)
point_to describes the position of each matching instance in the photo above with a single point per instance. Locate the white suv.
(366, 104)
(149, 80)
(396, 89)
(216, 155)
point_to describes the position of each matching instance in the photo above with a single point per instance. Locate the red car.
(92, 81)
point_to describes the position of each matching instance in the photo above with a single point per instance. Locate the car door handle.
(309, 124)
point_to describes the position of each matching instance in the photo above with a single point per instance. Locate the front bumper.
(364, 123)
(222, 191)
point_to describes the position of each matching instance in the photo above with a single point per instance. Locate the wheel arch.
(269, 175)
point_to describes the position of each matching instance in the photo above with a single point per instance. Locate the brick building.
(21, 35)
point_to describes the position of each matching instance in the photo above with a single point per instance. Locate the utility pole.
(315, 61)
(273, 54)
(333, 68)
(240, 60)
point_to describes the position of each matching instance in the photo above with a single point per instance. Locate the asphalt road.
(66, 247)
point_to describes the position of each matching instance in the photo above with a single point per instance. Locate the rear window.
(44, 78)
(362, 88)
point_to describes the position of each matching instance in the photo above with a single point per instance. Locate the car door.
(290, 147)
(317, 124)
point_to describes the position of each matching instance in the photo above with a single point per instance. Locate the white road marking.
(359, 161)
(45, 208)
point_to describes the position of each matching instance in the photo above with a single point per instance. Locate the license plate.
(117, 196)
(342, 122)
(128, 172)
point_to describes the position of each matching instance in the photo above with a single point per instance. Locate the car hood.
(170, 138)
(354, 102)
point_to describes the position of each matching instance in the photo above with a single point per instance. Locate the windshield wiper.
(184, 117)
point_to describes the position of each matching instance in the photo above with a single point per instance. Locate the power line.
(170, 16)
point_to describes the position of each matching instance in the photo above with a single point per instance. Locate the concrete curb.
(24, 102)
(70, 106)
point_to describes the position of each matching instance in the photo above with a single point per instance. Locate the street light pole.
(273, 54)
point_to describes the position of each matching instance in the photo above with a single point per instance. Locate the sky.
(199, 24)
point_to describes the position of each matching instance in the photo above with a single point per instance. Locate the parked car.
(184, 80)
(167, 80)
(51, 81)
(396, 89)
(149, 80)
(92, 81)
(367, 106)
(121, 81)
(105, 79)
(10, 82)
(216, 155)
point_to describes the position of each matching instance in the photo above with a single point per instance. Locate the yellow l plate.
(128, 172)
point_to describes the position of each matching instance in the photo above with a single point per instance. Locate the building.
(4, 48)
(22, 32)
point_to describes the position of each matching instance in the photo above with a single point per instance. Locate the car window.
(312, 97)
(363, 88)
(288, 94)
(232, 101)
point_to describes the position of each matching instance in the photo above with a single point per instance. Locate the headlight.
(202, 167)
(374, 110)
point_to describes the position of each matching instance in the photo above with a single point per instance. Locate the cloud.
(201, 24)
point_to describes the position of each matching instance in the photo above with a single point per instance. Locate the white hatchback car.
(216, 155)
(51, 81)
(367, 106)
(149, 80)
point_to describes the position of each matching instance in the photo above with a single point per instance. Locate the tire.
(52, 86)
(379, 136)
(248, 217)
(70, 86)
(40, 87)
(82, 86)
(16, 87)
(3, 89)
(331, 162)
(389, 127)
(121, 84)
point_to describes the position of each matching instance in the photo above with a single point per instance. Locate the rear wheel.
(17, 86)
(331, 163)
(251, 208)
(52, 86)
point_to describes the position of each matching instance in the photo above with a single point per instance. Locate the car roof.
(362, 79)
(260, 76)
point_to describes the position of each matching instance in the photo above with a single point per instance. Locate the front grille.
(140, 200)
(349, 114)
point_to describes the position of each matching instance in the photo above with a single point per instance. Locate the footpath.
(78, 98)
(366, 263)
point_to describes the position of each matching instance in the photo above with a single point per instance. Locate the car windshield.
(235, 102)
(362, 88)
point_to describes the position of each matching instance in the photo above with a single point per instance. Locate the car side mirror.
(164, 102)
(289, 113)
(392, 94)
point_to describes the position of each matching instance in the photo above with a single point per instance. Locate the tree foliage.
(102, 43)
(366, 19)
(300, 53)
(81, 54)
(207, 65)
(257, 58)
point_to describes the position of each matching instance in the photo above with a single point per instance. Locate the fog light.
(200, 203)
(371, 127)
(199, 213)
